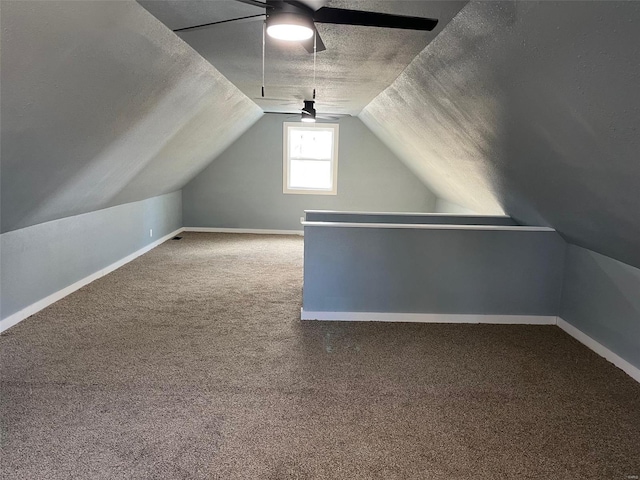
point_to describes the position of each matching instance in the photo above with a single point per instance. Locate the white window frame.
(287, 126)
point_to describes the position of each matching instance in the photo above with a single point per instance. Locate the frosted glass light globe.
(291, 33)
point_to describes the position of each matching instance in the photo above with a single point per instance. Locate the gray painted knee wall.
(40, 260)
(601, 298)
(441, 270)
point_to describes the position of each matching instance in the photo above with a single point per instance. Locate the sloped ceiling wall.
(101, 105)
(359, 62)
(532, 108)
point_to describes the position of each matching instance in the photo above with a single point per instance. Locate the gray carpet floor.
(191, 362)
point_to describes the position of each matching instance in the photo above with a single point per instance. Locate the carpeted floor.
(191, 362)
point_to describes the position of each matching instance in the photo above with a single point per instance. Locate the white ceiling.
(359, 63)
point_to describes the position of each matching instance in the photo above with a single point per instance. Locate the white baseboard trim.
(600, 349)
(428, 318)
(255, 231)
(26, 312)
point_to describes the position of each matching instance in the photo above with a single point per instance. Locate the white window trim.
(285, 159)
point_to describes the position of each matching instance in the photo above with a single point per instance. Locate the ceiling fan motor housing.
(281, 7)
(308, 112)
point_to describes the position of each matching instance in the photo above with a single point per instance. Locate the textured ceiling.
(103, 105)
(358, 64)
(532, 108)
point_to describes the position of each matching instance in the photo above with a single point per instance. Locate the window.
(310, 164)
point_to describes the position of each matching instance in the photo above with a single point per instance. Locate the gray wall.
(243, 187)
(532, 108)
(601, 297)
(42, 259)
(494, 272)
(103, 105)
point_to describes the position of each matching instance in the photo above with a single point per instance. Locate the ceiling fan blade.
(296, 115)
(250, 18)
(308, 44)
(332, 117)
(373, 19)
(255, 3)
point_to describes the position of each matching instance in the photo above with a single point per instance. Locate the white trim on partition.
(255, 231)
(410, 214)
(621, 363)
(426, 226)
(428, 318)
(17, 317)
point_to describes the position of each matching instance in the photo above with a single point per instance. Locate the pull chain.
(264, 27)
(315, 34)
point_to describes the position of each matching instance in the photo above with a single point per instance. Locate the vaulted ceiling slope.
(102, 105)
(532, 108)
(358, 64)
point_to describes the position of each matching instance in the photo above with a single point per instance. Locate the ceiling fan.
(294, 20)
(308, 113)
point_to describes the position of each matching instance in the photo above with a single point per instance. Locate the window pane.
(312, 143)
(310, 174)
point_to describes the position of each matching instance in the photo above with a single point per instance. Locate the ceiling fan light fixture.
(289, 27)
